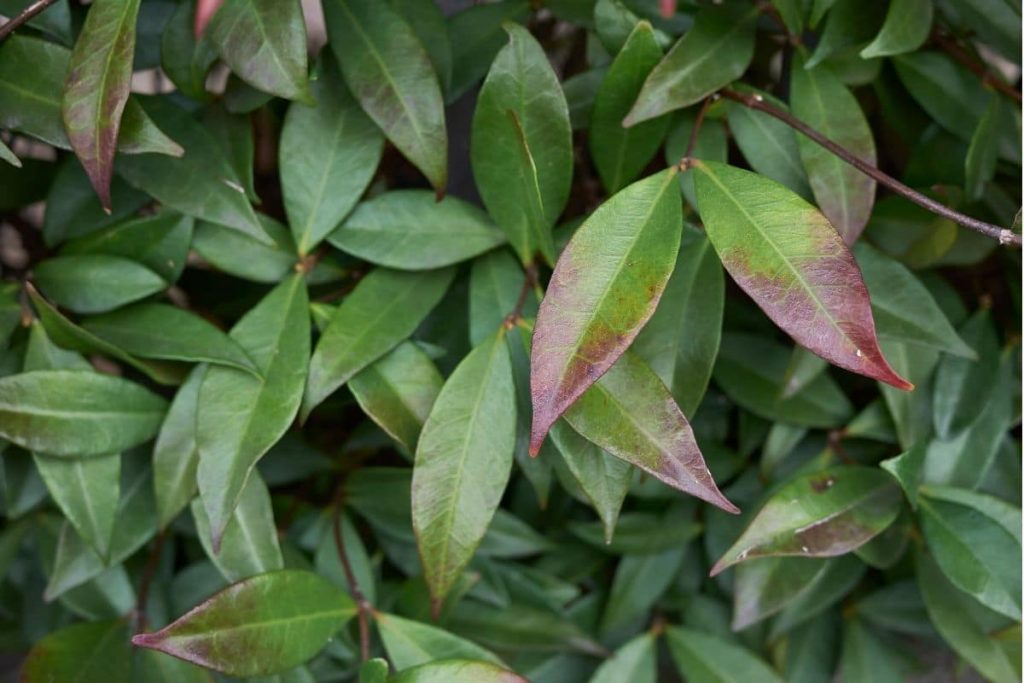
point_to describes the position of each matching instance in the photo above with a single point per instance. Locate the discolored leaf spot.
(821, 514)
(794, 264)
(257, 627)
(606, 285)
(97, 87)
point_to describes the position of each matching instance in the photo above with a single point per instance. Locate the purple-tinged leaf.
(257, 627)
(821, 514)
(606, 285)
(791, 261)
(97, 88)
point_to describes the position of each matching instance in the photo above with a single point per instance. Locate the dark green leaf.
(94, 651)
(241, 633)
(240, 416)
(477, 35)
(714, 52)
(159, 242)
(389, 72)
(866, 659)
(176, 454)
(167, 332)
(906, 27)
(907, 468)
(244, 256)
(411, 643)
(463, 462)
(411, 230)
(639, 533)
(640, 580)
(86, 491)
(701, 657)
(383, 310)
(328, 156)
(835, 511)
(983, 153)
(634, 662)
(457, 671)
(521, 146)
(94, 283)
(766, 585)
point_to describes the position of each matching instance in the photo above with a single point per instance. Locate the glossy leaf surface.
(794, 264)
(274, 634)
(411, 643)
(821, 514)
(606, 285)
(389, 72)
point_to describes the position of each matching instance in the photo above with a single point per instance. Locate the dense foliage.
(574, 340)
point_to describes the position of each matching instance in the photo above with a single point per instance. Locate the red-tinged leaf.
(97, 88)
(205, 9)
(820, 514)
(786, 255)
(257, 627)
(606, 285)
(632, 415)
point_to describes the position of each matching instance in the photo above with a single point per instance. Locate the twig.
(26, 14)
(975, 66)
(1003, 235)
(148, 572)
(698, 122)
(529, 282)
(363, 606)
(767, 8)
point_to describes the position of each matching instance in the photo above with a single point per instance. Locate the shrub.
(416, 360)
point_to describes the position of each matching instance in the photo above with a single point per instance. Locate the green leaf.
(463, 462)
(962, 386)
(42, 354)
(906, 27)
(167, 332)
(521, 145)
(382, 311)
(638, 533)
(245, 257)
(768, 145)
(713, 53)
(634, 662)
(428, 21)
(97, 88)
(264, 43)
(494, 285)
(701, 657)
(680, 342)
(7, 155)
(812, 650)
(457, 671)
(389, 72)
(76, 414)
(249, 545)
(411, 230)
(630, 414)
(328, 564)
(957, 620)
(948, 92)
(176, 454)
(411, 643)
(151, 666)
(976, 540)
(605, 287)
(620, 154)
(904, 309)
(640, 580)
(844, 194)
(821, 514)
(602, 478)
(794, 264)
(86, 490)
(239, 416)
(907, 468)
(477, 35)
(94, 283)
(397, 392)
(580, 92)
(185, 58)
(994, 21)
(67, 335)
(865, 657)
(840, 576)
(374, 671)
(850, 25)
(328, 155)
(983, 153)
(274, 634)
(159, 242)
(521, 628)
(766, 585)
(91, 651)
(202, 183)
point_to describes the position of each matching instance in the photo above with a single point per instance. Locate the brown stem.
(528, 283)
(767, 8)
(148, 572)
(363, 606)
(951, 47)
(698, 122)
(26, 14)
(1003, 235)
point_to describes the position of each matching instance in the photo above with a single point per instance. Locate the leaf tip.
(147, 640)
(720, 567)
